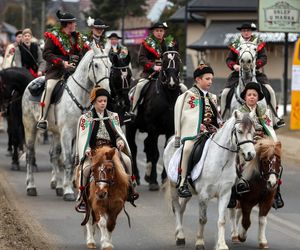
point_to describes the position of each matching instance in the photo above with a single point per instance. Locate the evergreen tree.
(112, 11)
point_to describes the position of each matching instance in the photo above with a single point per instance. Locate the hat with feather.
(96, 23)
(65, 16)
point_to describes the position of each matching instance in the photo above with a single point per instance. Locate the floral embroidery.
(267, 120)
(193, 102)
(83, 124)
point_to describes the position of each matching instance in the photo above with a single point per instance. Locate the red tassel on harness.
(81, 188)
(279, 182)
(42, 104)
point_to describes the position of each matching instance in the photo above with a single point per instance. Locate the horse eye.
(96, 65)
(240, 131)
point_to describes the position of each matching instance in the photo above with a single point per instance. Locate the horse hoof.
(91, 245)
(180, 242)
(235, 239)
(147, 178)
(69, 197)
(263, 245)
(200, 247)
(53, 184)
(59, 191)
(153, 187)
(241, 239)
(31, 191)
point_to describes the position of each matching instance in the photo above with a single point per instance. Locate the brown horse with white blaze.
(107, 194)
(263, 185)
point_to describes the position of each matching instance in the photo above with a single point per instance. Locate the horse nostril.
(249, 61)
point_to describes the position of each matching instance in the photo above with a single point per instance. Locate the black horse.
(156, 116)
(120, 81)
(13, 82)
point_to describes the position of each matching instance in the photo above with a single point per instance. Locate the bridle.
(104, 174)
(271, 168)
(105, 63)
(124, 73)
(172, 54)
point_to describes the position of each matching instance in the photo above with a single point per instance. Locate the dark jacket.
(60, 47)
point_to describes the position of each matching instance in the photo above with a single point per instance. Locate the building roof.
(223, 5)
(220, 34)
(179, 16)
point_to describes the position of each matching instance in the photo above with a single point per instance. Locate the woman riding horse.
(232, 62)
(195, 113)
(97, 128)
(264, 127)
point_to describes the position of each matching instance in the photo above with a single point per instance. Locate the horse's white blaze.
(272, 180)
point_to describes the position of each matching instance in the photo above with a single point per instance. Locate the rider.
(264, 127)
(9, 57)
(29, 55)
(62, 51)
(96, 128)
(96, 34)
(151, 51)
(195, 113)
(116, 47)
(246, 30)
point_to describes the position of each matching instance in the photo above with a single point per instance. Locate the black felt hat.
(202, 69)
(115, 35)
(65, 16)
(98, 91)
(159, 25)
(99, 24)
(250, 26)
(255, 86)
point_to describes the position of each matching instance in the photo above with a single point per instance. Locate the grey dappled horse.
(93, 69)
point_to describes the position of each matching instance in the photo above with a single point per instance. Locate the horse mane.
(266, 147)
(108, 153)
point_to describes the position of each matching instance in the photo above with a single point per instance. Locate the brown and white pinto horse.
(107, 194)
(263, 185)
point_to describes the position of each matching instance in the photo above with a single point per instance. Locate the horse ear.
(110, 154)
(237, 114)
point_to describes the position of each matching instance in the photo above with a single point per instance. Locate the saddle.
(37, 86)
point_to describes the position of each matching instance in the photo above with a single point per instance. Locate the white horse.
(218, 175)
(93, 69)
(247, 73)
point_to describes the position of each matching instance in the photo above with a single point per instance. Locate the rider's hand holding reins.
(157, 68)
(88, 152)
(236, 67)
(68, 65)
(120, 144)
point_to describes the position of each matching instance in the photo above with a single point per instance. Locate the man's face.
(97, 32)
(246, 33)
(159, 33)
(114, 41)
(26, 38)
(72, 26)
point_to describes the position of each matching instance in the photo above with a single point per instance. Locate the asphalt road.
(153, 225)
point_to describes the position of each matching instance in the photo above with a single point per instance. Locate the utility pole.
(43, 18)
(186, 35)
(123, 20)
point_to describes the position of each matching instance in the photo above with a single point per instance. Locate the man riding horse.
(63, 50)
(117, 49)
(151, 51)
(96, 35)
(232, 62)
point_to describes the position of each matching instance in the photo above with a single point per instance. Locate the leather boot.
(278, 201)
(132, 195)
(183, 191)
(232, 201)
(242, 186)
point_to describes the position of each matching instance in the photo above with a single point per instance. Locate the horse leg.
(233, 225)
(105, 238)
(246, 222)
(55, 152)
(30, 159)
(224, 197)
(66, 140)
(90, 231)
(264, 208)
(15, 158)
(130, 136)
(202, 221)
(178, 210)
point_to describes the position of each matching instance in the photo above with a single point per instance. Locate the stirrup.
(81, 206)
(42, 124)
(183, 191)
(242, 186)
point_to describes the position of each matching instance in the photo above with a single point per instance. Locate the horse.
(107, 193)
(13, 82)
(93, 70)
(247, 73)
(263, 184)
(217, 177)
(156, 116)
(120, 82)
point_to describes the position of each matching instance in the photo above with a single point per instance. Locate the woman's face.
(100, 103)
(251, 97)
(97, 32)
(159, 33)
(204, 82)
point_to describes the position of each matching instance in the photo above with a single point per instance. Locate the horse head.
(269, 157)
(247, 60)
(243, 133)
(103, 172)
(170, 72)
(99, 67)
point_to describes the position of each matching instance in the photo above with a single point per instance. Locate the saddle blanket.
(172, 169)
